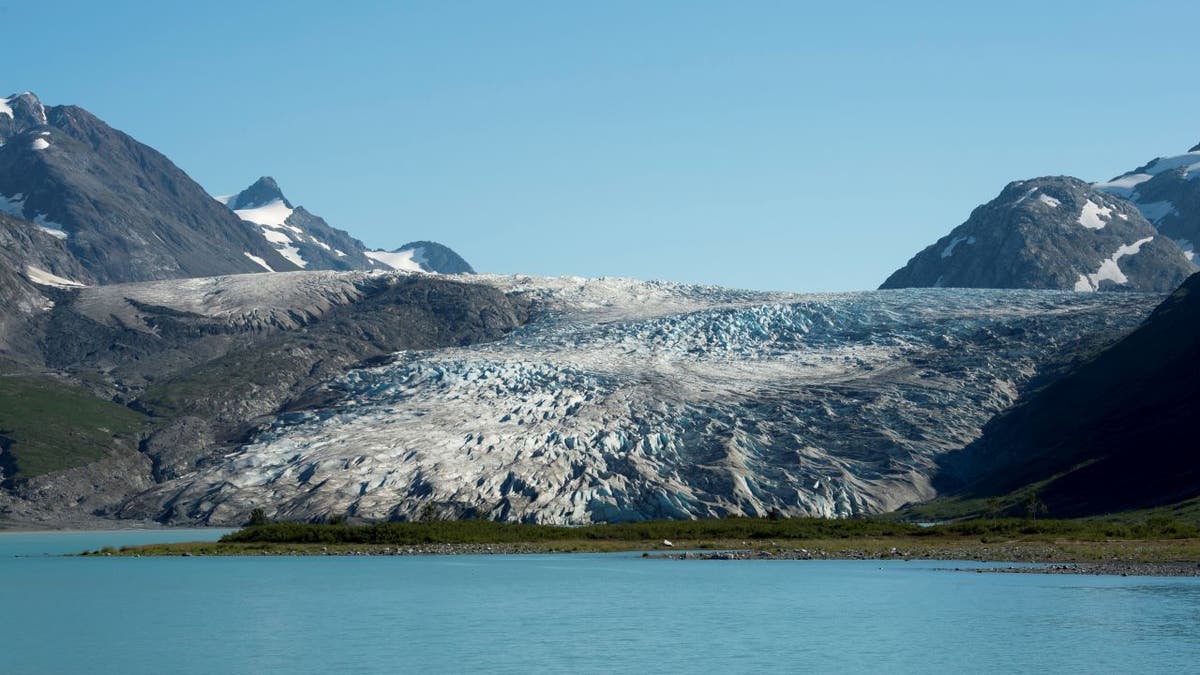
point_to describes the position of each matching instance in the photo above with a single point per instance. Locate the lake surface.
(548, 613)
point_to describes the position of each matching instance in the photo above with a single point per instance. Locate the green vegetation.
(1027, 502)
(727, 529)
(1152, 539)
(491, 532)
(46, 426)
(235, 376)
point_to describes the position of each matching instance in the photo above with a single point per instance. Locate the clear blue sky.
(778, 145)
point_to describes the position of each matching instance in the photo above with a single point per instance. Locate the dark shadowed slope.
(1119, 432)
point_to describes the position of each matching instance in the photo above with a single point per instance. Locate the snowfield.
(627, 400)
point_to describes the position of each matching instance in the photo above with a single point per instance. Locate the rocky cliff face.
(34, 268)
(1115, 433)
(1055, 233)
(630, 400)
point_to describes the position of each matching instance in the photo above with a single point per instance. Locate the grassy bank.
(1153, 540)
(46, 426)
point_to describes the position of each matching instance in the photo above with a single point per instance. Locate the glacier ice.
(626, 400)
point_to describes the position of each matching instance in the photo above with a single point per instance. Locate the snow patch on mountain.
(949, 250)
(44, 278)
(1028, 193)
(271, 214)
(292, 254)
(259, 261)
(1125, 185)
(5, 109)
(14, 206)
(1109, 269)
(408, 260)
(1093, 215)
(1049, 201)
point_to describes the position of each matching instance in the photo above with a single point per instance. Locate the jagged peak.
(264, 191)
(27, 96)
(1195, 148)
(25, 109)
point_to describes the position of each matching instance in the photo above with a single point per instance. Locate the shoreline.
(1161, 558)
(1128, 568)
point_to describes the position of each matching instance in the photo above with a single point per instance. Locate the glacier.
(626, 400)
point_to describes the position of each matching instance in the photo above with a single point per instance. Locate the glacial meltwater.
(567, 613)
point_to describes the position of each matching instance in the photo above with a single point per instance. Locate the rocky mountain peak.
(1195, 148)
(264, 191)
(1055, 232)
(20, 113)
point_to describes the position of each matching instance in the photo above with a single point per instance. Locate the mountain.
(1117, 432)
(311, 243)
(423, 256)
(622, 400)
(306, 240)
(1053, 233)
(1167, 193)
(124, 211)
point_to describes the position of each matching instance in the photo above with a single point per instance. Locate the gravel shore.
(1180, 569)
(1117, 568)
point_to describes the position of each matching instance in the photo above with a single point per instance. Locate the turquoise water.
(579, 613)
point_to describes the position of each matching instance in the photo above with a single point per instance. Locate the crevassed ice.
(627, 400)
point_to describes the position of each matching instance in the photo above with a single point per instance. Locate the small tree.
(428, 513)
(1035, 507)
(257, 517)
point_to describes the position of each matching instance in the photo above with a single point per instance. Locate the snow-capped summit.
(1166, 191)
(303, 238)
(311, 243)
(423, 256)
(1056, 233)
